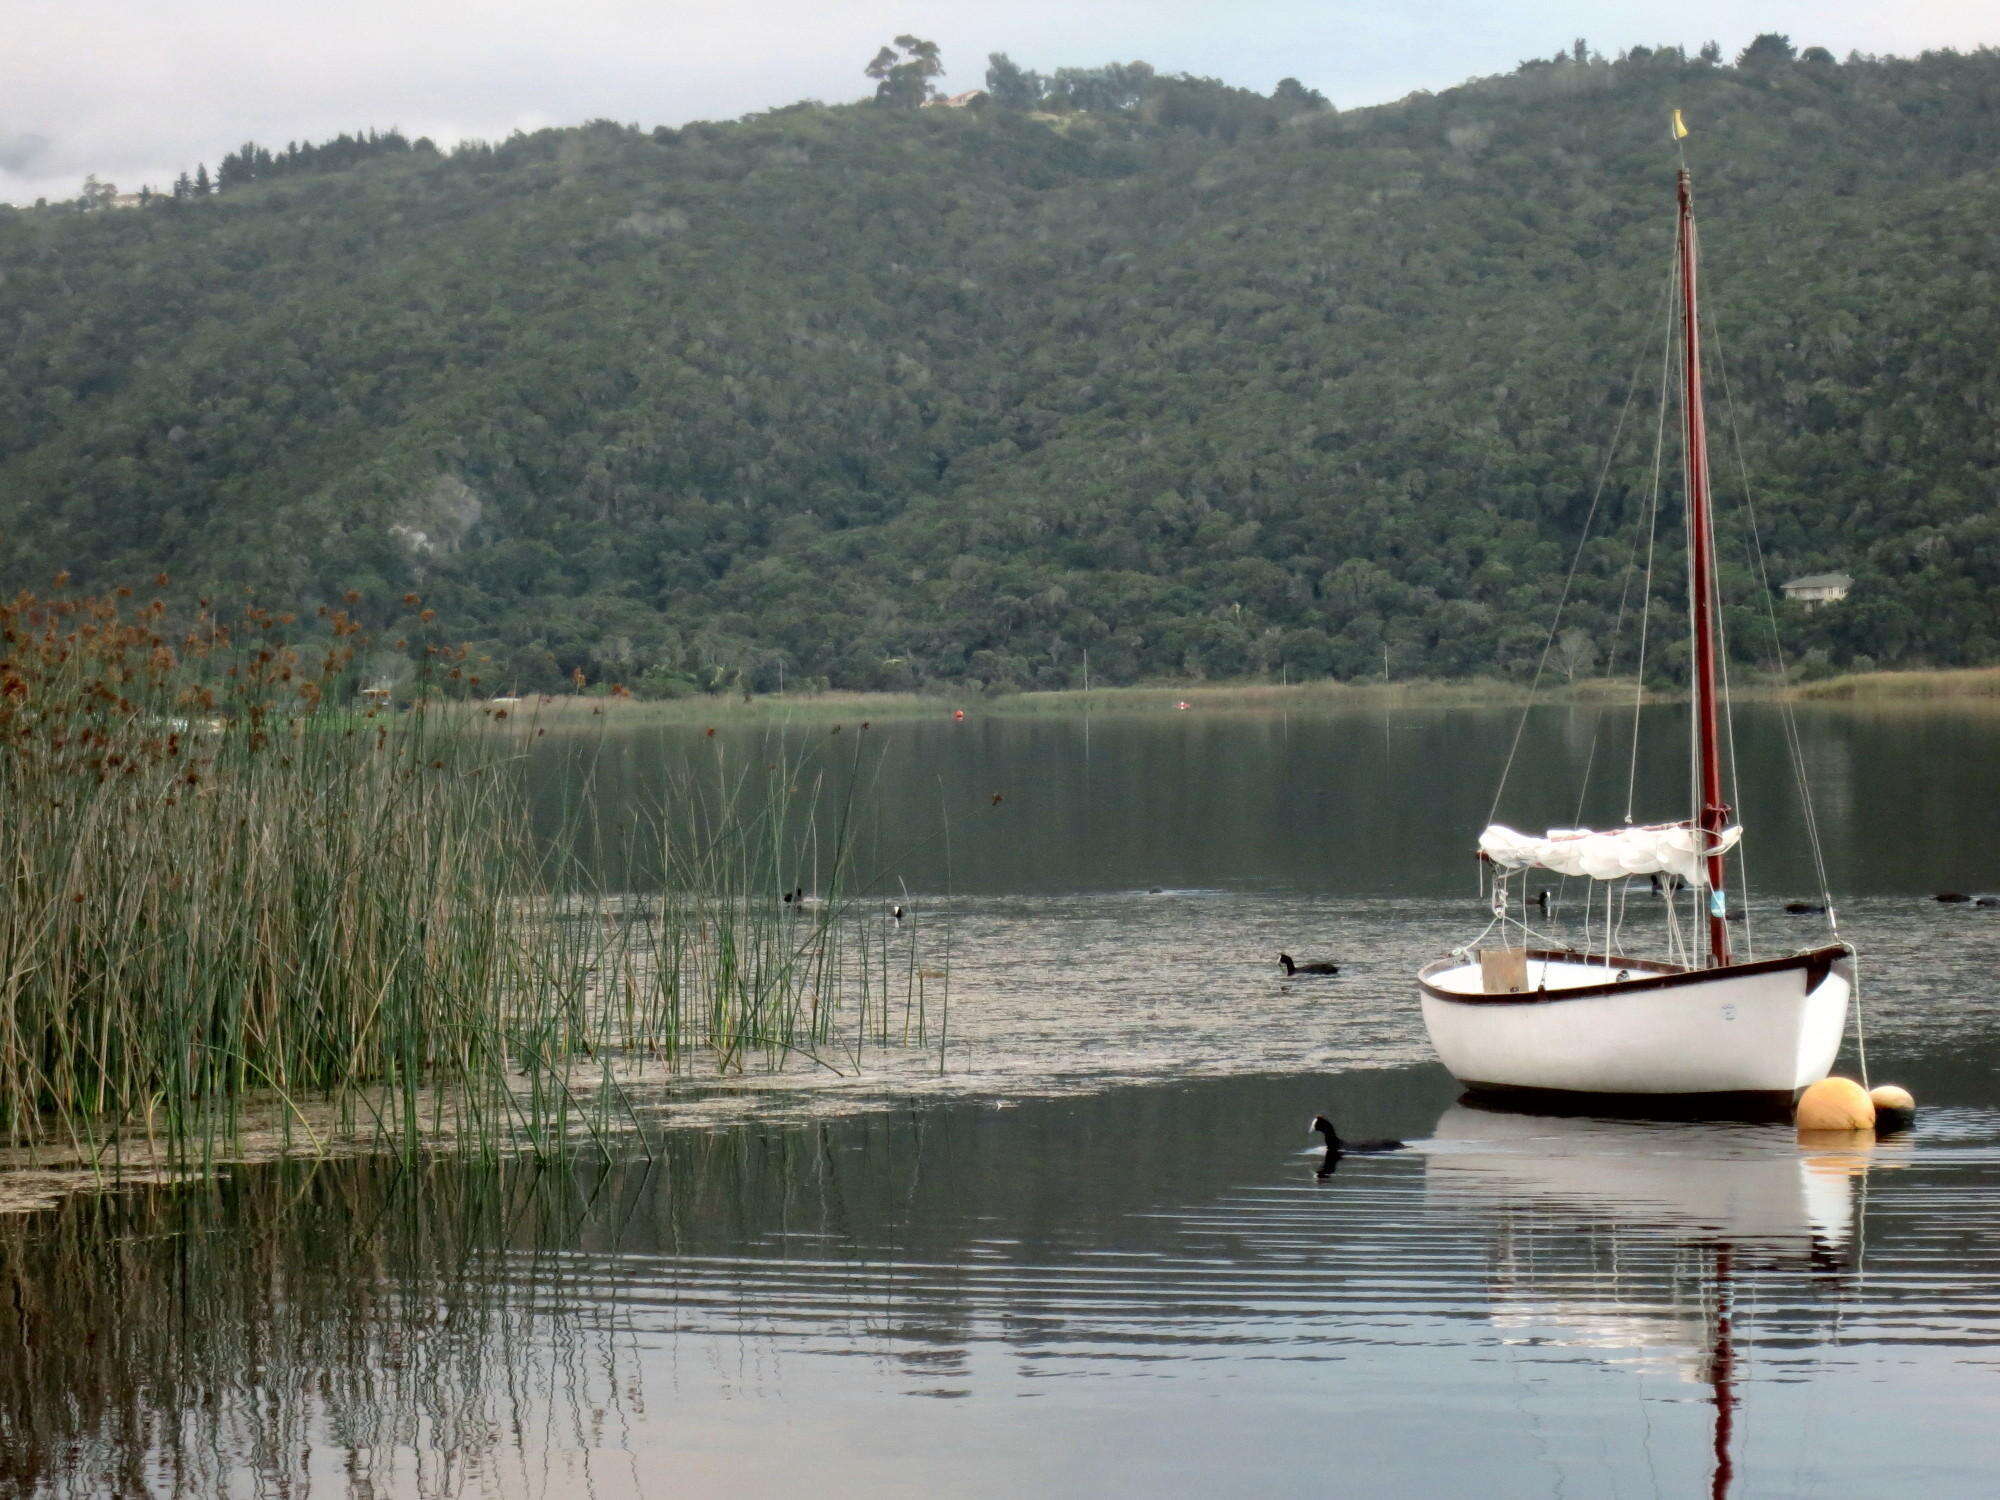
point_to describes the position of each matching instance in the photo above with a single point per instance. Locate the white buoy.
(1895, 1107)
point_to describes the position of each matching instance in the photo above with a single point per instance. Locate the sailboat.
(1695, 1031)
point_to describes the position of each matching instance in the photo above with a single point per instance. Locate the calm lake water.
(1080, 1246)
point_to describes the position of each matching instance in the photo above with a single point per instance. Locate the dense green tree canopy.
(1192, 379)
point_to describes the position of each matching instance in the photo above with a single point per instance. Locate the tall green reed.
(231, 879)
(223, 876)
(766, 939)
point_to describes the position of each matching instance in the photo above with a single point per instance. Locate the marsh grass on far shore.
(1960, 684)
(590, 713)
(573, 712)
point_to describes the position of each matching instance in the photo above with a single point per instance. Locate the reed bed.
(589, 713)
(766, 939)
(230, 879)
(222, 878)
(1880, 687)
(1322, 694)
(576, 712)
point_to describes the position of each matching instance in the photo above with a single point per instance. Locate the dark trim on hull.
(1817, 962)
(1754, 1105)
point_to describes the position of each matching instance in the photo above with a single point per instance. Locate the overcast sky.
(137, 91)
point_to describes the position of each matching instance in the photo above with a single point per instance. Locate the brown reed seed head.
(92, 689)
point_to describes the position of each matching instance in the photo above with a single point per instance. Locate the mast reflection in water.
(1738, 1198)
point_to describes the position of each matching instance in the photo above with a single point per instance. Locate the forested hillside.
(1199, 382)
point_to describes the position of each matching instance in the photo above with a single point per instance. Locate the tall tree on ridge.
(905, 84)
(1011, 86)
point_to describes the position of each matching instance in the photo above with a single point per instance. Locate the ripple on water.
(1139, 1237)
(1052, 995)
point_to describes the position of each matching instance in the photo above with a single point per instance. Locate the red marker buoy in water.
(957, 714)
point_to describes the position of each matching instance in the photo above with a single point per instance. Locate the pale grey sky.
(137, 91)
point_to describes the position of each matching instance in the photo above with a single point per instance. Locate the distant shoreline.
(1968, 685)
(1961, 683)
(570, 709)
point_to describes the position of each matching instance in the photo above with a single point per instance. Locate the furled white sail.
(1614, 854)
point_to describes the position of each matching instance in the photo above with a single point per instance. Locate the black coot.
(1293, 969)
(1335, 1146)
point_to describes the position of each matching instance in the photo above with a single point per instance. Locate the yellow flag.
(1680, 126)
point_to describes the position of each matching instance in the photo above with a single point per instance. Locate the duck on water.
(1336, 1148)
(1293, 968)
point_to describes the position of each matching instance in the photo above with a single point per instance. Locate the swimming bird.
(897, 913)
(1335, 1146)
(1804, 909)
(1951, 897)
(1319, 967)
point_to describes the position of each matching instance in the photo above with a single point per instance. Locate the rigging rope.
(1735, 786)
(1652, 532)
(1788, 716)
(1694, 701)
(1860, 1030)
(1624, 604)
(1728, 702)
(1569, 583)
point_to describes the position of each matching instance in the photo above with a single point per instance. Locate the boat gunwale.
(1665, 976)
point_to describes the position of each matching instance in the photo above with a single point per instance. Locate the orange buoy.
(1835, 1104)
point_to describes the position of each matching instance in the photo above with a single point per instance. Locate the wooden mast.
(1713, 813)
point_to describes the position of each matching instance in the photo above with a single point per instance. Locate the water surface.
(1356, 803)
(1142, 1290)
(1080, 1245)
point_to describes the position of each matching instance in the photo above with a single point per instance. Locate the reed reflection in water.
(1146, 1289)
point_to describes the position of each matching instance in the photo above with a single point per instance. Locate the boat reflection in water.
(1634, 1239)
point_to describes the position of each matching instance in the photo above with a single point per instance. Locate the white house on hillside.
(1818, 588)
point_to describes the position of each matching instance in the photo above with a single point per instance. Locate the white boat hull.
(1769, 1028)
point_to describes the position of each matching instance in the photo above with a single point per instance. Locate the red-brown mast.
(1713, 813)
(1722, 1379)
